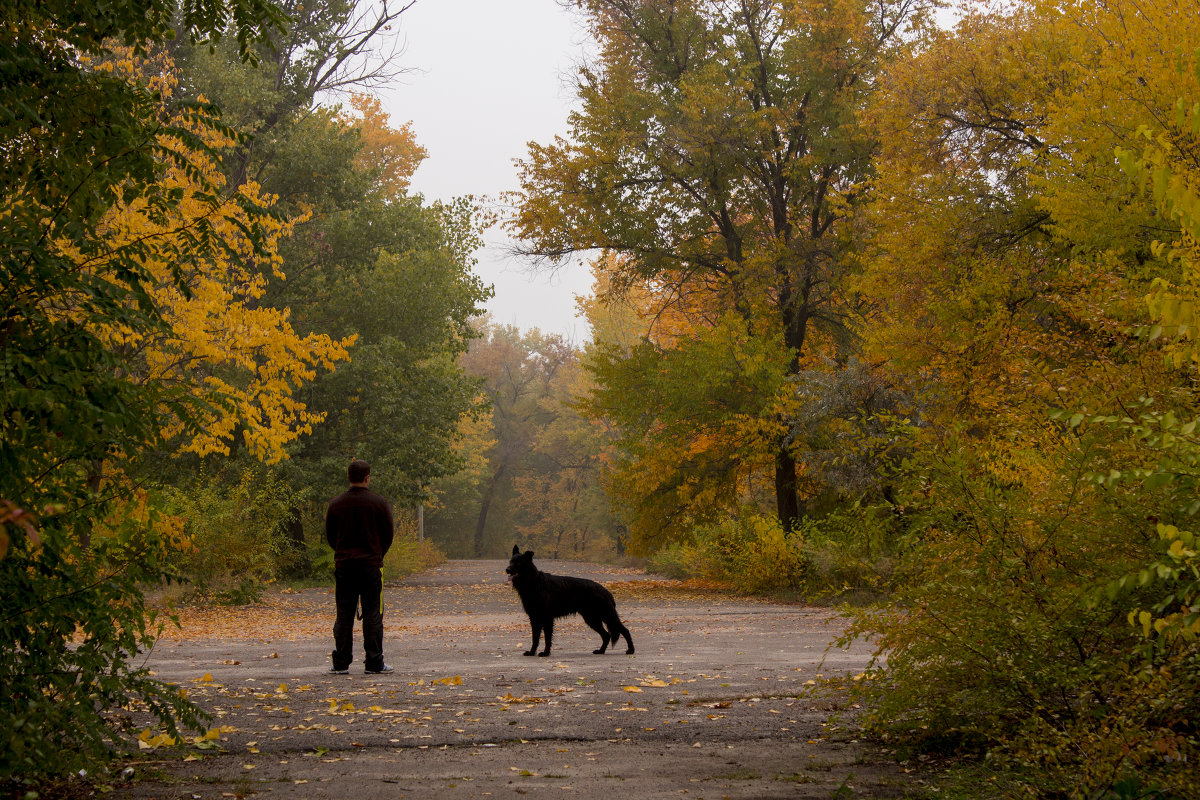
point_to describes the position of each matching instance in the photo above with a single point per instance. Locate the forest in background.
(884, 310)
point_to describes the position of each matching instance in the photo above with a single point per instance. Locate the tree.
(399, 401)
(77, 143)
(1051, 487)
(539, 475)
(365, 259)
(718, 151)
(218, 342)
(328, 47)
(564, 510)
(517, 370)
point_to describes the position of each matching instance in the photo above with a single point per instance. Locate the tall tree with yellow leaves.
(241, 361)
(1050, 491)
(78, 144)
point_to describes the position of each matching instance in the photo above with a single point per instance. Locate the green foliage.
(398, 402)
(72, 627)
(692, 423)
(853, 551)
(75, 142)
(235, 533)
(1016, 626)
(751, 554)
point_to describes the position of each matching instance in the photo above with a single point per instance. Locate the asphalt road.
(719, 700)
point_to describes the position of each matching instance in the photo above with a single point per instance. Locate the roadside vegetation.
(890, 307)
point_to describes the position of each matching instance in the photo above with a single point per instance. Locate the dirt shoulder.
(716, 702)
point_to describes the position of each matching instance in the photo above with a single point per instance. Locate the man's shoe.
(336, 671)
(383, 670)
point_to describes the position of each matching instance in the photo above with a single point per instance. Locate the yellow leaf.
(633, 689)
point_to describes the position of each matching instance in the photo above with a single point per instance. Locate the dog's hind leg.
(595, 624)
(537, 634)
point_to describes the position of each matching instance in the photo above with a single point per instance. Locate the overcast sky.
(488, 77)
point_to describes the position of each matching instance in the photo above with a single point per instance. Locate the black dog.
(547, 597)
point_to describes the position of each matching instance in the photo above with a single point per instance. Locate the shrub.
(408, 554)
(73, 625)
(852, 550)
(236, 542)
(751, 553)
(676, 560)
(1041, 619)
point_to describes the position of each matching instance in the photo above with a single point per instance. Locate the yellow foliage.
(241, 356)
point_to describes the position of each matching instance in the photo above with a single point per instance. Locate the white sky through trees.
(487, 77)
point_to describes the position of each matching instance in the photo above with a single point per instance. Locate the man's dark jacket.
(359, 528)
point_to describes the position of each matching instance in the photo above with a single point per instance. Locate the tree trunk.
(488, 496)
(298, 560)
(795, 328)
(95, 476)
(787, 504)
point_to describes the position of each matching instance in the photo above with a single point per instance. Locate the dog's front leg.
(549, 626)
(537, 634)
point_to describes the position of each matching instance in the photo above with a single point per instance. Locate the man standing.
(359, 528)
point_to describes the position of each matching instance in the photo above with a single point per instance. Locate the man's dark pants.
(354, 582)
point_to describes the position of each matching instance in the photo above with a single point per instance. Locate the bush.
(73, 626)
(676, 560)
(236, 541)
(408, 555)
(852, 551)
(750, 553)
(1017, 628)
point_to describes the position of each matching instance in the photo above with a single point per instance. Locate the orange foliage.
(394, 152)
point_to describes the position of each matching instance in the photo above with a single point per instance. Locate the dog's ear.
(516, 550)
(529, 554)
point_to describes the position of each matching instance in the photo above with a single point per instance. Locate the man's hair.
(359, 470)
